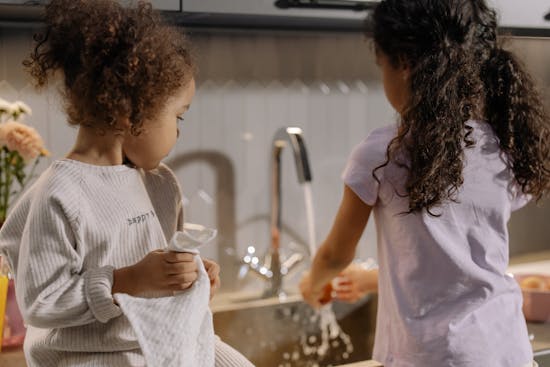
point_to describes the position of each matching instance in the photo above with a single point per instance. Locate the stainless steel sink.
(543, 358)
(271, 332)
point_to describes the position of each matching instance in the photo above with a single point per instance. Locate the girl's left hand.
(354, 283)
(213, 270)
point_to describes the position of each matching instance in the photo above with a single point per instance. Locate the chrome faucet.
(285, 136)
(273, 269)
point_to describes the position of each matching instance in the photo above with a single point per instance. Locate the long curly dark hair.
(116, 62)
(459, 72)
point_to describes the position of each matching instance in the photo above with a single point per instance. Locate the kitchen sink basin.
(285, 333)
(543, 358)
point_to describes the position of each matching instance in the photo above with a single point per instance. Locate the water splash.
(320, 343)
(332, 336)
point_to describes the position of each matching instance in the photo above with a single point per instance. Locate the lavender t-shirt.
(444, 296)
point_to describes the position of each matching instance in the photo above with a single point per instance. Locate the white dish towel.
(177, 330)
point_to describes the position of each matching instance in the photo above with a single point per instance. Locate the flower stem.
(30, 175)
(7, 186)
(4, 189)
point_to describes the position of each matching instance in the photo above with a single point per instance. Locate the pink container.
(14, 328)
(536, 299)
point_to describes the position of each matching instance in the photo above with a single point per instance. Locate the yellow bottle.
(3, 300)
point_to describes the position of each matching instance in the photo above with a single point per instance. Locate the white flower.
(6, 107)
(21, 107)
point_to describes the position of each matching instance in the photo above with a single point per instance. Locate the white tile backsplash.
(249, 85)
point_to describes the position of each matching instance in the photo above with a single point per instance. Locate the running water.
(333, 338)
(315, 347)
(310, 217)
(320, 342)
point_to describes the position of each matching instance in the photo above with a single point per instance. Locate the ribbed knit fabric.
(63, 239)
(226, 356)
(175, 330)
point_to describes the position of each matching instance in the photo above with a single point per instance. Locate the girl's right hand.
(311, 296)
(157, 271)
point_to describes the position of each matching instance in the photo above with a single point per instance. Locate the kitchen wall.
(249, 85)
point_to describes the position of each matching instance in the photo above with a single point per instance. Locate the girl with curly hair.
(472, 144)
(93, 223)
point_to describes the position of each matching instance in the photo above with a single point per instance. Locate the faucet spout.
(293, 137)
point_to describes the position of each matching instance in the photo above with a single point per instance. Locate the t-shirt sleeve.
(519, 199)
(360, 175)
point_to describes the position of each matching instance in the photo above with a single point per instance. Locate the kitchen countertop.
(539, 332)
(15, 358)
(362, 364)
(12, 358)
(530, 258)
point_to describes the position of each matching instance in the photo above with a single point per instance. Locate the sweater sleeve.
(52, 289)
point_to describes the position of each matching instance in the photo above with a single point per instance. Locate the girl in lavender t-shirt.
(471, 145)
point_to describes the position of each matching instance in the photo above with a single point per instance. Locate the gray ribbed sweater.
(63, 239)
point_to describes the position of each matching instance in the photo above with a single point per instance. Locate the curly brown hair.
(116, 62)
(459, 72)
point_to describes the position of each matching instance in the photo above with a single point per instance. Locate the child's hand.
(158, 271)
(213, 270)
(310, 296)
(353, 283)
